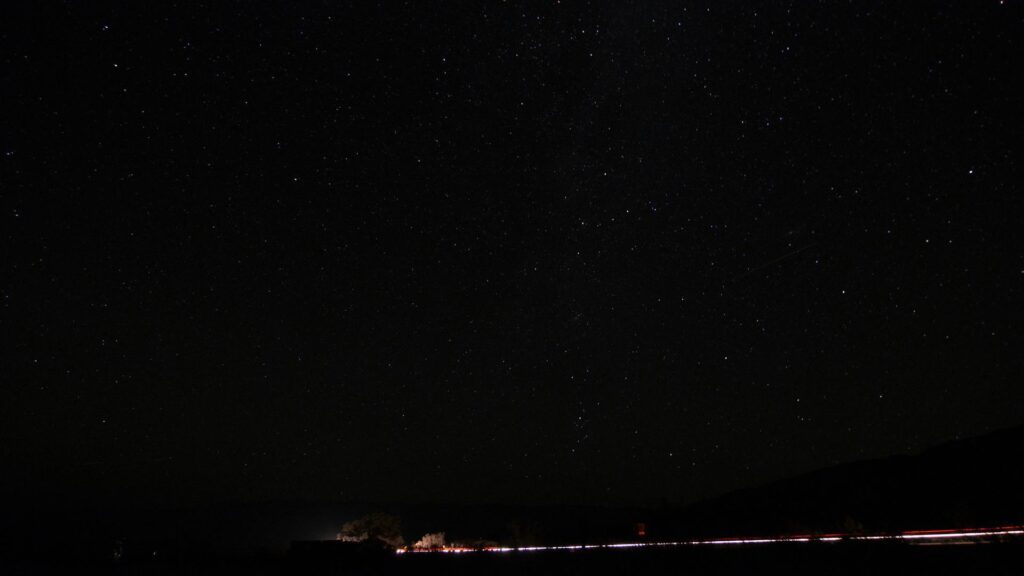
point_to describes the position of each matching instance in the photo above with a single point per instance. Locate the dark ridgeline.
(966, 483)
(974, 482)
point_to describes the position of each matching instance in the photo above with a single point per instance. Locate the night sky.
(512, 252)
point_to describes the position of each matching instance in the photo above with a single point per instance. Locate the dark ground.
(966, 483)
(849, 558)
(781, 559)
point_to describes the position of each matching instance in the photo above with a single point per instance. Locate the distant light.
(951, 536)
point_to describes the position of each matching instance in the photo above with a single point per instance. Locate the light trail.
(947, 536)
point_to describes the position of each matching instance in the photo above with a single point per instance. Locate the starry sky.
(513, 252)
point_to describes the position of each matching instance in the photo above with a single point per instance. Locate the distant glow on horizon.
(951, 535)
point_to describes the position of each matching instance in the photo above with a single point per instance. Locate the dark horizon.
(970, 472)
(117, 503)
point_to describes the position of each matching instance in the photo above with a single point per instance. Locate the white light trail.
(951, 536)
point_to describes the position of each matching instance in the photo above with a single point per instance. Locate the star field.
(512, 251)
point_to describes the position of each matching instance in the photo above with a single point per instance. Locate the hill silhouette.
(969, 482)
(972, 482)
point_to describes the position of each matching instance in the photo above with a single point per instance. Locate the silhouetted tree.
(434, 540)
(377, 526)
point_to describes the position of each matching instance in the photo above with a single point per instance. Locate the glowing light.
(947, 536)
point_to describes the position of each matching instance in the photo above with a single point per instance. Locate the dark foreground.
(841, 558)
(770, 559)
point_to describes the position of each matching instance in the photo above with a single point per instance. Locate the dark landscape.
(970, 478)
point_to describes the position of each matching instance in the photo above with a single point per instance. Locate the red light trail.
(948, 536)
